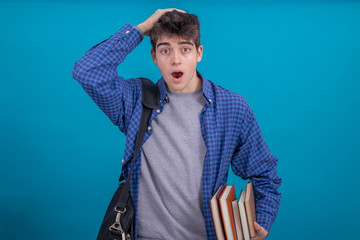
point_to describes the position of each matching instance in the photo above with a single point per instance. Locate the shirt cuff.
(139, 29)
(129, 35)
(264, 221)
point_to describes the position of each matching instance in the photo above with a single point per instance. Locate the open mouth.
(177, 75)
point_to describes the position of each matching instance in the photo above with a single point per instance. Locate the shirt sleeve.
(253, 160)
(96, 71)
(136, 27)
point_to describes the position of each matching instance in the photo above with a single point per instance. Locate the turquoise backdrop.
(296, 62)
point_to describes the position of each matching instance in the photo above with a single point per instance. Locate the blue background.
(296, 62)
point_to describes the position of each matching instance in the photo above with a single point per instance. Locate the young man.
(192, 139)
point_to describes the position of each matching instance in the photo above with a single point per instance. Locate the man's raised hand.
(147, 25)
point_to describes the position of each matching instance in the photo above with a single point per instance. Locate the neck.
(199, 84)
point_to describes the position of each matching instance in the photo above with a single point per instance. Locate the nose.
(176, 58)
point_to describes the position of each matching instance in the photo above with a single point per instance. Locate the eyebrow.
(179, 43)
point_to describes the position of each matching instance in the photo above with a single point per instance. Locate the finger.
(179, 10)
(257, 226)
(260, 231)
(257, 237)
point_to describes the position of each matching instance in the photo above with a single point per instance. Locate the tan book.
(226, 198)
(216, 214)
(250, 208)
(243, 217)
(236, 212)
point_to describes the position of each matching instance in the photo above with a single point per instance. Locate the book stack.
(233, 217)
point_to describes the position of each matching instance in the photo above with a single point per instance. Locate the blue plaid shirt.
(231, 133)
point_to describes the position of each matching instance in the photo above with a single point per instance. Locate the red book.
(226, 198)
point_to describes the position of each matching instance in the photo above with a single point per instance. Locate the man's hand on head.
(261, 233)
(149, 23)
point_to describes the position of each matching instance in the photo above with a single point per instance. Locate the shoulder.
(233, 108)
(229, 99)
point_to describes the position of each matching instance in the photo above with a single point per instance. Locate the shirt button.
(149, 128)
(166, 97)
(157, 110)
(209, 100)
(122, 160)
(127, 31)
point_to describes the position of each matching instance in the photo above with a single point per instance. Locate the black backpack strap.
(150, 96)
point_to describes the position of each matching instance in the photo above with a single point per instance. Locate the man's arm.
(253, 159)
(96, 71)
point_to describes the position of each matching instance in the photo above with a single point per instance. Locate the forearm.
(100, 62)
(261, 170)
(96, 71)
(267, 197)
(253, 160)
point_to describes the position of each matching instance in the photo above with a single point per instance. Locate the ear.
(199, 53)
(153, 56)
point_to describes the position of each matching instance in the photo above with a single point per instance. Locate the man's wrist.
(139, 29)
(143, 28)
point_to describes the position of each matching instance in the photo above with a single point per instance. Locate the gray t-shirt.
(170, 193)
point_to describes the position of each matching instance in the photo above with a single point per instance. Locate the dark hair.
(175, 23)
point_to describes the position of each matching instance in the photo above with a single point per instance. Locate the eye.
(186, 49)
(164, 51)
